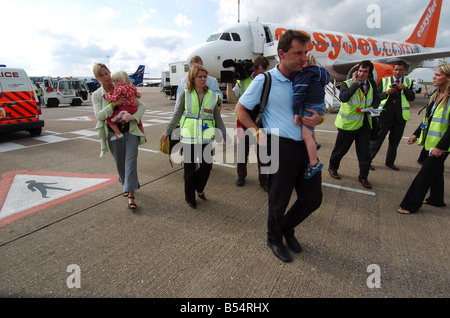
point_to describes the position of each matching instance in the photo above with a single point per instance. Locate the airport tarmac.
(84, 242)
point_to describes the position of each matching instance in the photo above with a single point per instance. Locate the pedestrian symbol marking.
(42, 187)
(27, 192)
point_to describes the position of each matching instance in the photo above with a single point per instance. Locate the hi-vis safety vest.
(387, 81)
(431, 136)
(243, 85)
(197, 123)
(348, 118)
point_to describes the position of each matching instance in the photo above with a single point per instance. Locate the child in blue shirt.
(309, 93)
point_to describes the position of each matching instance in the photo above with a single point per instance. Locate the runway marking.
(80, 118)
(349, 189)
(24, 192)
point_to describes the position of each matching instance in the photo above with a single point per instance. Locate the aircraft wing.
(413, 60)
(416, 58)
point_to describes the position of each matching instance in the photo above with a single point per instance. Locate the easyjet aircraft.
(337, 52)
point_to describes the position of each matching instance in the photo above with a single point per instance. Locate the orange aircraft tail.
(426, 30)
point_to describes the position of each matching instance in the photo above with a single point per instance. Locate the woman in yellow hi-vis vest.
(434, 135)
(197, 112)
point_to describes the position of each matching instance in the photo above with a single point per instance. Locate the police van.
(19, 106)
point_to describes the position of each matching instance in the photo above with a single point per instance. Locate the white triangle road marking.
(27, 192)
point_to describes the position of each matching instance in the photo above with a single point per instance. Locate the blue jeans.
(125, 152)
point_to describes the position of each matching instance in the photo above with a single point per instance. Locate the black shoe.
(293, 244)
(265, 187)
(240, 182)
(202, 196)
(280, 252)
(334, 174)
(393, 167)
(371, 167)
(366, 184)
(192, 205)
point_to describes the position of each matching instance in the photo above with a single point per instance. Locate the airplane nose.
(204, 53)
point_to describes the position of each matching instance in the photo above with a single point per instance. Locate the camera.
(242, 70)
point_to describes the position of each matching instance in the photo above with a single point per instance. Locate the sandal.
(312, 170)
(131, 205)
(125, 194)
(403, 211)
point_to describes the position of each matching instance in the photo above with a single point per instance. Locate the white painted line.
(349, 189)
(51, 139)
(10, 146)
(86, 133)
(224, 165)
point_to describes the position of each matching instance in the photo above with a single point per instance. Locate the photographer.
(395, 93)
(241, 77)
(245, 72)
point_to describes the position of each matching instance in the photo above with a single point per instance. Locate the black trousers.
(196, 179)
(293, 160)
(243, 160)
(395, 130)
(430, 177)
(344, 140)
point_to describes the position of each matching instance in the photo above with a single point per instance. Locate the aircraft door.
(259, 37)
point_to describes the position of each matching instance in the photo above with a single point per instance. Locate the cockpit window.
(236, 37)
(213, 37)
(226, 37)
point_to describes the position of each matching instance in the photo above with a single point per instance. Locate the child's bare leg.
(307, 136)
(115, 128)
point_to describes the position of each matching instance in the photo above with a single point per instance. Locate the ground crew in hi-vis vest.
(434, 134)
(435, 126)
(197, 112)
(197, 122)
(353, 124)
(395, 92)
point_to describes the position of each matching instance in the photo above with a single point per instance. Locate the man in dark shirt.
(395, 94)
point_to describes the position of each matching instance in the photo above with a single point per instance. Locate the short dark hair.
(367, 64)
(261, 60)
(286, 39)
(401, 62)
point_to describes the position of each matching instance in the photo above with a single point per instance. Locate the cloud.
(146, 14)
(104, 14)
(182, 21)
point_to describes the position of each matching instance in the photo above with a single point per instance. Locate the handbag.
(164, 146)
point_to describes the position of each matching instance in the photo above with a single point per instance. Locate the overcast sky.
(61, 38)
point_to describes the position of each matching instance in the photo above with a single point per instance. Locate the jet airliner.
(338, 52)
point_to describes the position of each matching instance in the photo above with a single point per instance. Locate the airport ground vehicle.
(20, 108)
(68, 90)
(177, 71)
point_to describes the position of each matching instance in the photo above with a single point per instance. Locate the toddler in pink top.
(124, 87)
